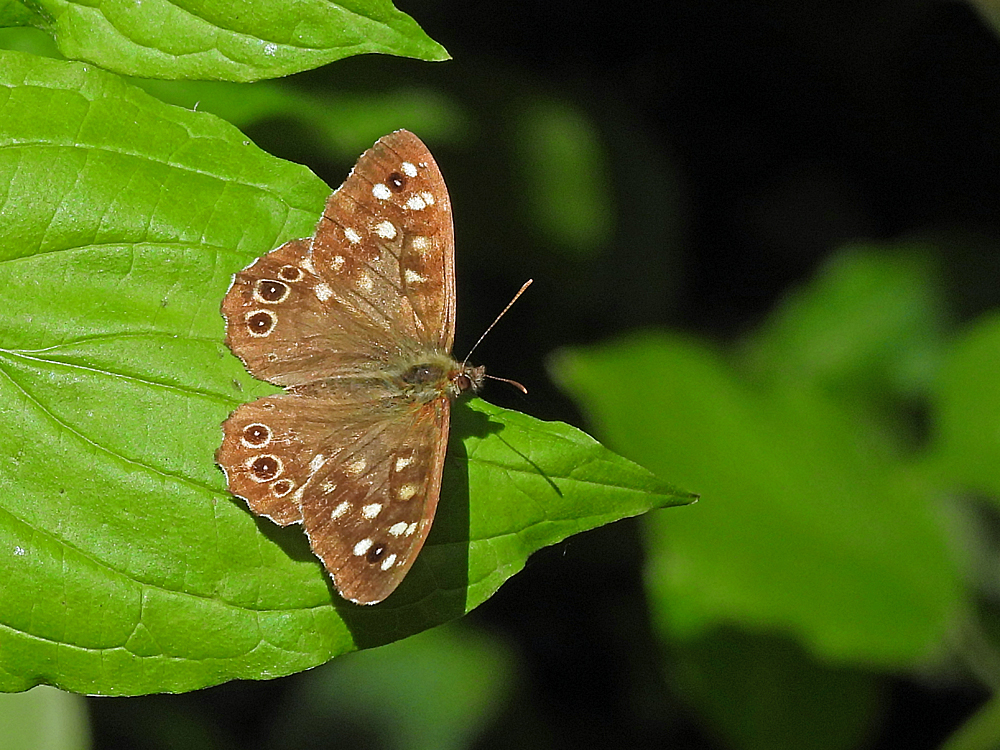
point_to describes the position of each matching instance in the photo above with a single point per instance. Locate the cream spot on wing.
(411, 528)
(308, 265)
(386, 230)
(412, 277)
(355, 468)
(370, 511)
(398, 529)
(406, 492)
(337, 262)
(420, 243)
(408, 169)
(328, 486)
(363, 546)
(353, 237)
(416, 203)
(382, 192)
(389, 561)
(317, 461)
(340, 510)
(323, 292)
(428, 198)
(365, 283)
(403, 462)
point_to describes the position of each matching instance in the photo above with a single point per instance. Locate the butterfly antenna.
(490, 328)
(514, 383)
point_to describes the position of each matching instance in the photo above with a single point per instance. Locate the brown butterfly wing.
(379, 497)
(374, 284)
(269, 451)
(391, 224)
(336, 318)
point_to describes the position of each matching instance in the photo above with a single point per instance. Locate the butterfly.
(357, 323)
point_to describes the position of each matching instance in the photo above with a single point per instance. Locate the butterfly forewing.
(389, 229)
(376, 281)
(357, 322)
(277, 322)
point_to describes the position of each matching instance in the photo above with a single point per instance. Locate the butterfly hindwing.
(368, 513)
(273, 447)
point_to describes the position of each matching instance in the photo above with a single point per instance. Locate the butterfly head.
(465, 379)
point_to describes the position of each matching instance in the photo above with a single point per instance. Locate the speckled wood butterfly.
(357, 324)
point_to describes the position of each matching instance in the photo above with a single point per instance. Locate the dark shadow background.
(745, 142)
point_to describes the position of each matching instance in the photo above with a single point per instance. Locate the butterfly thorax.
(438, 375)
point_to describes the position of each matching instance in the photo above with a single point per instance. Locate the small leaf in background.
(44, 719)
(125, 219)
(435, 691)
(342, 124)
(810, 530)
(990, 12)
(869, 325)
(758, 690)
(966, 444)
(801, 527)
(221, 40)
(569, 197)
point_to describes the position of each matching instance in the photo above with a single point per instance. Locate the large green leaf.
(222, 39)
(129, 567)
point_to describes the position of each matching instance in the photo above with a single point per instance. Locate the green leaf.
(342, 122)
(435, 691)
(990, 12)
(224, 40)
(868, 324)
(129, 568)
(978, 732)
(761, 691)
(44, 719)
(14, 13)
(804, 526)
(569, 197)
(966, 446)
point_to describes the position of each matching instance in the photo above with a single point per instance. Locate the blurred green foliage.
(44, 719)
